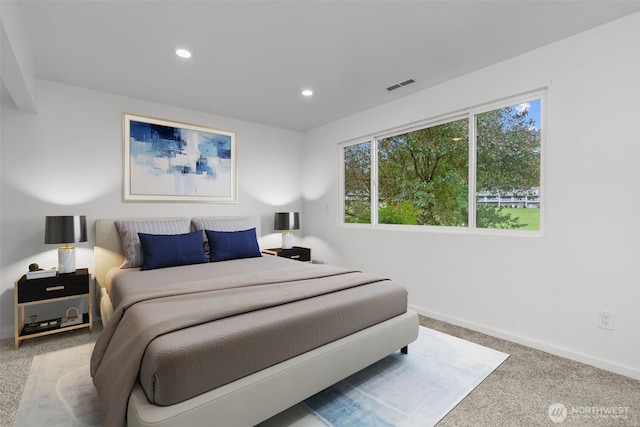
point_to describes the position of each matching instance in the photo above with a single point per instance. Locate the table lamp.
(66, 229)
(285, 222)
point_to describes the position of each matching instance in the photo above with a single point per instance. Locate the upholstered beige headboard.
(108, 247)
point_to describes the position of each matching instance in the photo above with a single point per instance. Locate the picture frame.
(169, 161)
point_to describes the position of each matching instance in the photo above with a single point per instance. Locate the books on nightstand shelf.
(47, 325)
(35, 327)
(43, 272)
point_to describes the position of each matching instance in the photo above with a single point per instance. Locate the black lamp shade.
(286, 221)
(65, 229)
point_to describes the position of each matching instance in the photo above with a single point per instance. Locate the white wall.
(67, 159)
(545, 291)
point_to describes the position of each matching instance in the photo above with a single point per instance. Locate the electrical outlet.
(606, 319)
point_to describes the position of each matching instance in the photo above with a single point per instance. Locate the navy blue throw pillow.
(226, 245)
(168, 250)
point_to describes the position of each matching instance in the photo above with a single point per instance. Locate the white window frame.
(469, 114)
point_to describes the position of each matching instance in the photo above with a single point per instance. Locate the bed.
(208, 343)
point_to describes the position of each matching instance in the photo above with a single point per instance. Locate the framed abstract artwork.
(167, 161)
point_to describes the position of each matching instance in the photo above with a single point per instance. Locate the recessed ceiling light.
(307, 92)
(183, 53)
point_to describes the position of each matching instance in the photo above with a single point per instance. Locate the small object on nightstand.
(72, 317)
(41, 272)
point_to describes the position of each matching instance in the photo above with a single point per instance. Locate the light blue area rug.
(59, 391)
(417, 389)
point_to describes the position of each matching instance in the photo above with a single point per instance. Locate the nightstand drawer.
(297, 252)
(62, 285)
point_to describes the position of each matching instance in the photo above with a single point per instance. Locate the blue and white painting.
(169, 161)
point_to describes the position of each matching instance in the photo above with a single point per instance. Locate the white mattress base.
(257, 397)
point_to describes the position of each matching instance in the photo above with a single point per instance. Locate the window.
(357, 183)
(480, 170)
(423, 175)
(508, 167)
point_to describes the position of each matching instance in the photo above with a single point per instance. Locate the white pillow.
(129, 229)
(221, 224)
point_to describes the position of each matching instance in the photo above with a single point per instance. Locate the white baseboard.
(539, 345)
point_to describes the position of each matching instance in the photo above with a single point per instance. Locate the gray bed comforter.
(236, 304)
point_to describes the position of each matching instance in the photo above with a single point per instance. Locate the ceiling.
(251, 59)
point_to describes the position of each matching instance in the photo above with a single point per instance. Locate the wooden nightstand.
(61, 287)
(297, 252)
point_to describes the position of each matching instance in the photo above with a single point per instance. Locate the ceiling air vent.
(399, 85)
